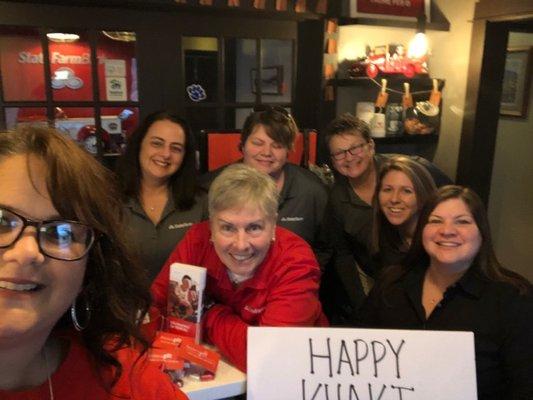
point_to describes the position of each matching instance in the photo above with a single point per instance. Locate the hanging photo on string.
(422, 119)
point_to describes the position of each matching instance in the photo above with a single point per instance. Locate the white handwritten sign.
(360, 364)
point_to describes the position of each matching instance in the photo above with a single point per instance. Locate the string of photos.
(410, 117)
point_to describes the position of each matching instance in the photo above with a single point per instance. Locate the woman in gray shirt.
(158, 178)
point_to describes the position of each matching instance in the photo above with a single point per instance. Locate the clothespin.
(407, 99)
(383, 96)
(436, 95)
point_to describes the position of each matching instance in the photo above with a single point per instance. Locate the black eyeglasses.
(354, 151)
(59, 239)
(273, 109)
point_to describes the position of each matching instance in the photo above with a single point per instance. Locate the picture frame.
(271, 80)
(516, 82)
(402, 11)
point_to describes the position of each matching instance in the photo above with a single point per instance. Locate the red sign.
(22, 68)
(402, 8)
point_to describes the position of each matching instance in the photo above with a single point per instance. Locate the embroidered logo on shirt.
(292, 219)
(180, 226)
(254, 310)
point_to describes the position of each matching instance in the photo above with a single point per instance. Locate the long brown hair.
(485, 264)
(114, 285)
(423, 185)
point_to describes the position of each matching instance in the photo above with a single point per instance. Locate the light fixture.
(62, 37)
(121, 36)
(418, 46)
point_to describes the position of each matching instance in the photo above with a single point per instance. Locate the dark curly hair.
(347, 124)
(182, 182)
(114, 285)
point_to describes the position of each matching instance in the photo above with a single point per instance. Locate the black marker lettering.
(359, 358)
(313, 355)
(400, 388)
(353, 391)
(316, 391)
(344, 358)
(377, 359)
(371, 395)
(397, 354)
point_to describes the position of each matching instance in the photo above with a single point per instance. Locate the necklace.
(157, 198)
(50, 387)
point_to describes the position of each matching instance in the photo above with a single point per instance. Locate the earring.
(273, 239)
(74, 316)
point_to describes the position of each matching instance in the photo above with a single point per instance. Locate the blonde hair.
(239, 185)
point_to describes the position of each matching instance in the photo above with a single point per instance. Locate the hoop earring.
(74, 316)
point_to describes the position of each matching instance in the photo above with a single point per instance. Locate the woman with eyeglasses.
(70, 296)
(267, 137)
(349, 215)
(451, 280)
(158, 179)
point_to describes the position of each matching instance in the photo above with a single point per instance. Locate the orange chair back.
(312, 140)
(295, 156)
(222, 149)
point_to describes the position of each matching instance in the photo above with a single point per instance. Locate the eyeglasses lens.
(354, 151)
(64, 240)
(10, 227)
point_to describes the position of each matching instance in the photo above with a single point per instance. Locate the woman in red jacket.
(257, 274)
(64, 265)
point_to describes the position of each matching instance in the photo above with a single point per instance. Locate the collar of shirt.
(135, 206)
(471, 283)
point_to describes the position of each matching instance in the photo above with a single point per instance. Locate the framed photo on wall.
(271, 80)
(406, 10)
(516, 82)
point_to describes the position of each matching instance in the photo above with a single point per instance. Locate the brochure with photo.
(185, 300)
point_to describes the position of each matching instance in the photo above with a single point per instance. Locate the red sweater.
(76, 379)
(283, 291)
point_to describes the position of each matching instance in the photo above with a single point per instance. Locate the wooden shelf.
(392, 78)
(407, 139)
(434, 26)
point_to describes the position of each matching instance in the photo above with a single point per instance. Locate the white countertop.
(229, 381)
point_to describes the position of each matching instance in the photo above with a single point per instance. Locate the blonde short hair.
(239, 185)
